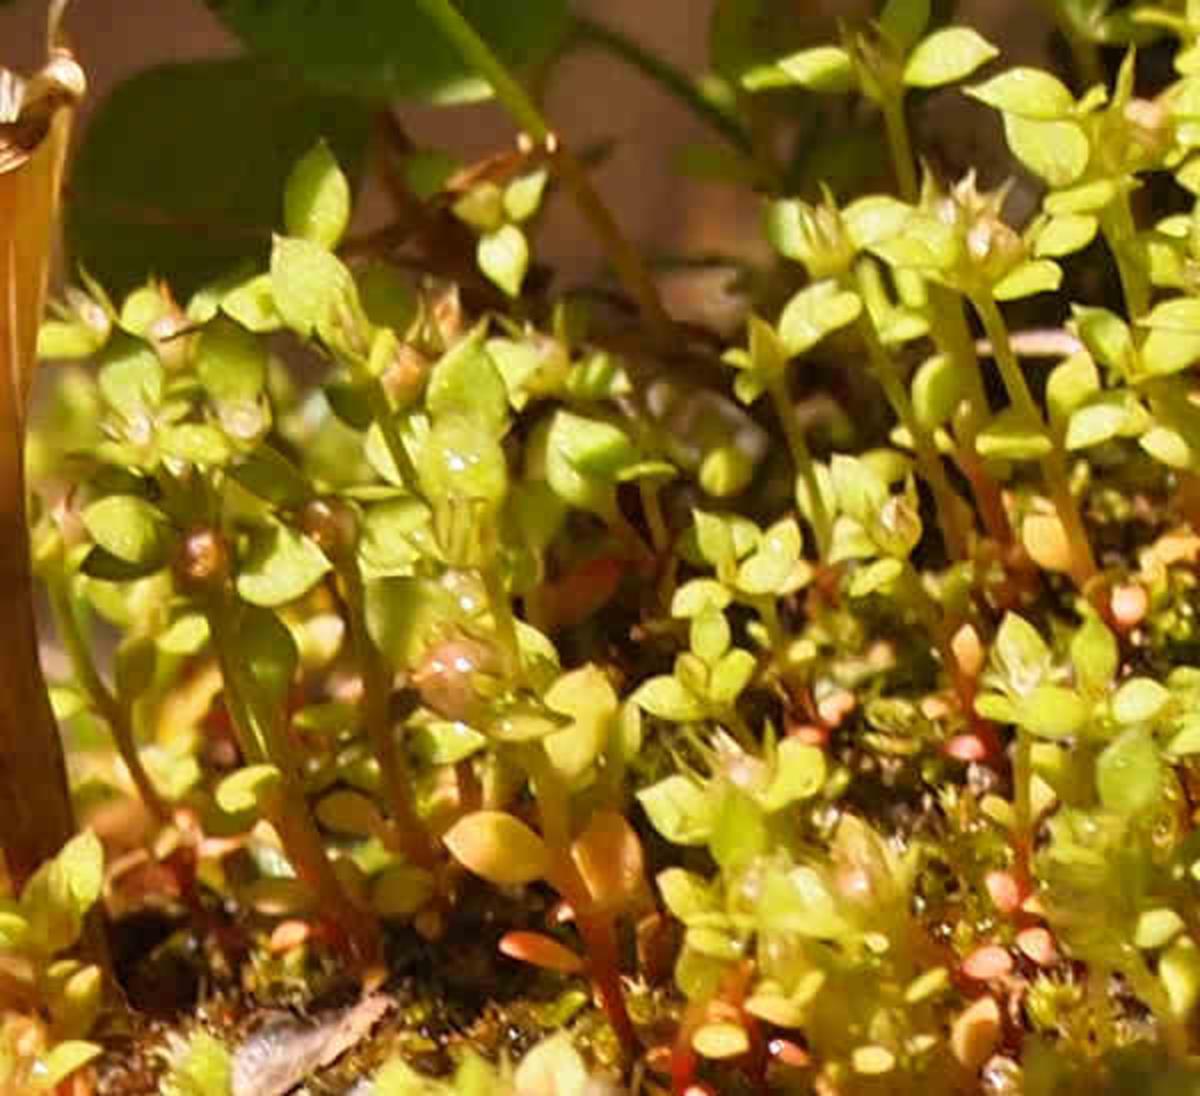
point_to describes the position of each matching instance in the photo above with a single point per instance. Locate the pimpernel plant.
(550, 697)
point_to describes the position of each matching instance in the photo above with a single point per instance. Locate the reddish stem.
(600, 939)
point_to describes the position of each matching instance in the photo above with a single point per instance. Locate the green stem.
(929, 461)
(87, 676)
(1054, 464)
(265, 740)
(660, 535)
(588, 32)
(381, 412)
(524, 111)
(802, 458)
(952, 336)
(1120, 233)
(503, 620)
(948, 327)
(900, 144)
(376, 679)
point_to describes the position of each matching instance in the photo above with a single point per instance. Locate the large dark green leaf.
(182, 170)
(388, 49)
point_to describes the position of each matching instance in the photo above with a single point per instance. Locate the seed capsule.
(447, 678)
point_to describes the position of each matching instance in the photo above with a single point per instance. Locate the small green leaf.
(252, 305)
(823, 68)
(739, 830)
(800, 901)
(443, 743)
(770, 569)
(404, 615)
(587, 698)
(503, 257)
(1112, 415)
(131, 378)
(523, 196)
(1065, 235)
(697, 595)
(872, 219)
(1052, 711)
(1070, 386)
(800, 772)
(1010, 436)
(466, 382)
(316, 200)
(481, 207)
(1019, 655)
(680, 808)
(1106, 336)
(313, 291)
(1174, 340)
(1139, 700)
(1038, 276)
(460, 461)
(1057, 152)
(1129, 774)
(131, 529)
(231, 362)
(879, 577)
(1027, 92)
(686, 894)
(1095, 655)
(401, 891)
(947, 56)
(814, 312)
(1156, 928)
(861, 491)
(938, 388)
(498, 847)
(63, 1060)
(666, 698)
(1169, 447)
(243, 790)
(195, 443)
(715, 539)
(79, 868)
(268, 474)
(282, 565)
(720, 1041)
(709, 635)
(593, 447)
(730, 676)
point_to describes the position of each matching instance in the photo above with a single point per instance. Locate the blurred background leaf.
(387, 49)
(181, 170)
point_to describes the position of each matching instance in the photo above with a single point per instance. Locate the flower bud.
(202, 561)
(447, 682)
(332, 525)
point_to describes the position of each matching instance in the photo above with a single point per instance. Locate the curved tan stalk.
(35, 116)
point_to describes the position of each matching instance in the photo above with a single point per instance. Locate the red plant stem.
(304, 848)
(597, 928)
(683, 1055)
(599, 933)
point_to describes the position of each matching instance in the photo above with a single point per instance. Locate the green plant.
(861, 761)
(49, 1000)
